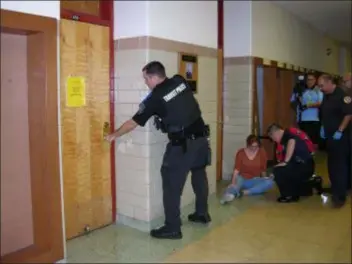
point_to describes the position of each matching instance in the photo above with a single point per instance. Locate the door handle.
(106, 129)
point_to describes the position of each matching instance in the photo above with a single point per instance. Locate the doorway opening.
(31, 226)
(15, 180)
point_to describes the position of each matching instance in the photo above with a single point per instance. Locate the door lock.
(106, 129)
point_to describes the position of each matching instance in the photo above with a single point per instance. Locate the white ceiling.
(330, 17)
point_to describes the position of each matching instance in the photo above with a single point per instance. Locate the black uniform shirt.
(175, 104)
(301, 151)
(334, 108)
(152, 104)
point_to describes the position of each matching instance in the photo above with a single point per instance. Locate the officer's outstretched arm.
(125, 128)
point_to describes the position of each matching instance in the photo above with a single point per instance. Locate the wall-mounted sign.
(188, 68)
(75, 91)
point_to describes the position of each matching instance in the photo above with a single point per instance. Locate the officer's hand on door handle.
(110, 138)
(106, 133)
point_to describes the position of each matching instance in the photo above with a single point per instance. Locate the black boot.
(199, 218)
(288, 199)
(338, 202)
(165, 232)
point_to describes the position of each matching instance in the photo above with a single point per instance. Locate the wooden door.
(31, 211)
(91, 7)
(270, 104)
(286, 114)
(84, 53)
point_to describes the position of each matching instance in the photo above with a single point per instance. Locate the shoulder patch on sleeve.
(347, 99)
(141, 108)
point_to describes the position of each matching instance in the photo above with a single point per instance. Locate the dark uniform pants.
(312, 129)
(177, 163)
(339, 162)
(290, 178)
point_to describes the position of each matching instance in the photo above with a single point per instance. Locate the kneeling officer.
(177, 113)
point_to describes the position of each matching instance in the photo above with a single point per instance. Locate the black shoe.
(165, 233)
(288, 199)
(199, 218)
(338, 203)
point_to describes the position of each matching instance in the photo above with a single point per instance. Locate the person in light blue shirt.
(308, 109)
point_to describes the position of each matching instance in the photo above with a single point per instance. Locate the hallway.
(255, 229)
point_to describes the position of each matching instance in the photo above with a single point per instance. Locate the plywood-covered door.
(84, 52)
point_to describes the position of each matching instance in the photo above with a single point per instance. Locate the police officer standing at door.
(336, 113)
(177, 113)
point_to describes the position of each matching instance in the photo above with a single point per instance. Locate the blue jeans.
(254, 186)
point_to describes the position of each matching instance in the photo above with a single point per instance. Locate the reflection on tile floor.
(255, 229)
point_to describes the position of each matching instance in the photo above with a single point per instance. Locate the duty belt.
(181, 140)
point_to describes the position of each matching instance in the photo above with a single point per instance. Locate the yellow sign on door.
(75, 92)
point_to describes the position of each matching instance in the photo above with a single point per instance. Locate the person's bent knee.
(269, 183)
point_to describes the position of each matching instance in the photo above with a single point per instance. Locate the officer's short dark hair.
(327, 78)
(155, 68)
(273, 128)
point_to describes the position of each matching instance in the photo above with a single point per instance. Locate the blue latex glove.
(322, 133)
(337, 135)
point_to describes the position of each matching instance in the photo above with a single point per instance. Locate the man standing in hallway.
(336, 112)
(178, 114)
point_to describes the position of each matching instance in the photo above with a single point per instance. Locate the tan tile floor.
(306, 232)
(277, 233)
(254, 229)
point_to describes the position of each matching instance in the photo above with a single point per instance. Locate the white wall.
(278, 35)
(131, 19)
(192, 22)
(344, 60)
(40, 8)
(237, 28)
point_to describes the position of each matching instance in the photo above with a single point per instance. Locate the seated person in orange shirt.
(249, 176)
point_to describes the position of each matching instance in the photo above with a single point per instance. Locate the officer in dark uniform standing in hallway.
(336, 110)
(177, 113)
